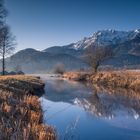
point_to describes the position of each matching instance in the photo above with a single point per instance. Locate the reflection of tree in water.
(104, 103)
(59, 85)
(66, 91)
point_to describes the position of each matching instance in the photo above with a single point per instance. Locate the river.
(81, 112)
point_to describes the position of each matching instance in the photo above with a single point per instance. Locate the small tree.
(7, 44)
(96, 55)
(18, 68)
(59, 69)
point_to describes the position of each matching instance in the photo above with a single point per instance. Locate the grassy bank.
(76, 76)
(122, 79)
(20, 110)
(129, 79)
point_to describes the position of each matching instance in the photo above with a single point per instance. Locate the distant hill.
(33, 61)
(125, 44)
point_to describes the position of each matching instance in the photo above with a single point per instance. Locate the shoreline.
(127, 79)
(20, 109)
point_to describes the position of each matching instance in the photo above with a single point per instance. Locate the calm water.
(80, 112)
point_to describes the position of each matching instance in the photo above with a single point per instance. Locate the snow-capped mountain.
(106, 37)
(125, 44)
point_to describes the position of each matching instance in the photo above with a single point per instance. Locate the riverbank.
(129, 79)
(77, 76)
(21, 116)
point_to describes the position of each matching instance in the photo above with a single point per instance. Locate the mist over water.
(80, 111)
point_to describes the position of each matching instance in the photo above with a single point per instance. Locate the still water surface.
(81, 112)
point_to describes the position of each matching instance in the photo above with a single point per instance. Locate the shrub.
(59, 69)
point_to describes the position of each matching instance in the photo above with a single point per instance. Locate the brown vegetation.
(129, 79)
(127, 93)
(76, 76)
(20, 110)
(123, 79)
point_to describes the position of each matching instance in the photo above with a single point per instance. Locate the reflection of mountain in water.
(66, 91)
(102, 102)
(108, 106)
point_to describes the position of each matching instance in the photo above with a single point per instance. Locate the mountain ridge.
(125, 44)
(106, 37)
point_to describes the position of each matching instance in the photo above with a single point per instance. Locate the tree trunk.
(3, 59)
(96, 67)
(3, 65)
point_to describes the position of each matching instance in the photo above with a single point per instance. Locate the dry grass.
(76, 76)
(124, 79)
(20, 110)
(129, 79)
(127, 93)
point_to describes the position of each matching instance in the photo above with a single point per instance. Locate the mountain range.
(125, 44)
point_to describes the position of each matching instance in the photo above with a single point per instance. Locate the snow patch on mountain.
(106, 37)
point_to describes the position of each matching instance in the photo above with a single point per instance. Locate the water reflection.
(99, 101)
(66, 91)
(113, 111)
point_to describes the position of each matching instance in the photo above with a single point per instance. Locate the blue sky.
(44, 23)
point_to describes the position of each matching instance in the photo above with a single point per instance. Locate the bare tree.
(59, 68)
(7, 44)
(6, 38)
(18, 68)
(3, 12)
(96, 55)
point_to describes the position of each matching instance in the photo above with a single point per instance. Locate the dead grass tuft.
(76, 76)
(123, 79)
(128, 79)
(20, 110)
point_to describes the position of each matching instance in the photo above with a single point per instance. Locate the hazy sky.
(43, 23)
